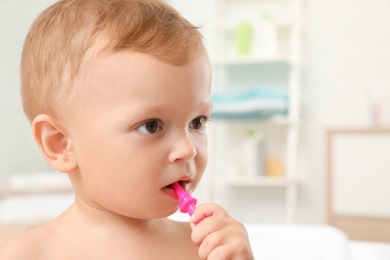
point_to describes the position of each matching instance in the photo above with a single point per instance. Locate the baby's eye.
(198, 123)
(150, 127)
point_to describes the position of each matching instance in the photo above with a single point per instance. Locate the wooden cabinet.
(358, 180)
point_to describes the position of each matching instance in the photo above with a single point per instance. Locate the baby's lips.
(184, 184)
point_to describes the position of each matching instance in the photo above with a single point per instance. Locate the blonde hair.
(71, 33)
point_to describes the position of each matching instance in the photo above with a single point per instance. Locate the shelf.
(255, 44)
(251, 60)
(40, 183)
(249, 116)
(277, 120)
(257, 181)
(230, 25)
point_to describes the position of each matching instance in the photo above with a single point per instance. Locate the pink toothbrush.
(186, 202)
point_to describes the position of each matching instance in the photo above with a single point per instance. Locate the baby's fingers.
(208, 227)
(217, 235)
(230, 242)
(228, 252)
(207, 210)
(209, 244)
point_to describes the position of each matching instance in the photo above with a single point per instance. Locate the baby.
(118, 96)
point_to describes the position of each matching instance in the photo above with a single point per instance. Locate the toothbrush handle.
(186, 202)
(191, 209)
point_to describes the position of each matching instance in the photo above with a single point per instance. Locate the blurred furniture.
(359, 181)
(255, 45)
(27, 199)
(311, 242)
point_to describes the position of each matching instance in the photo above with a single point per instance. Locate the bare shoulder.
(182, 235)
(27, 245)
(181, 230)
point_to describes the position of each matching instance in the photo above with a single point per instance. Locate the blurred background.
(293, 79)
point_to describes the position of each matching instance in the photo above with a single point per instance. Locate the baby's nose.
(183, 148)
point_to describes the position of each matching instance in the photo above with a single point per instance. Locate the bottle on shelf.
(267, 36)
(274, 167)
(252, 156)
(243, 38)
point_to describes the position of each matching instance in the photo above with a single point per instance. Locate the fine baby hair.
(72, 33)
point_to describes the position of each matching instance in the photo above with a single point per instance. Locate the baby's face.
(140, 127)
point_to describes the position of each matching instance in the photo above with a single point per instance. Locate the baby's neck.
(89, 230)
(97, 220)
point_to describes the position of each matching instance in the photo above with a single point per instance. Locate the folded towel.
(249, 103)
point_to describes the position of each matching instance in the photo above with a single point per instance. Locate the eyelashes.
(150, 127)
(153, 126)
(199, 123)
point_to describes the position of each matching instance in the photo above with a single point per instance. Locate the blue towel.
(250, 103)
(248, 94)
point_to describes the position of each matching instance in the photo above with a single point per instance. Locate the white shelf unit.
(279, 69)
(257, 181)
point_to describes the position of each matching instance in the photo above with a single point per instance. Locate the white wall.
(18, 152)
(347, 63)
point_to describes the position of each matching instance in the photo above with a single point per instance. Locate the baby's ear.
(54, 143)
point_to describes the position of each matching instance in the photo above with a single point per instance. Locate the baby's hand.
(217, 235)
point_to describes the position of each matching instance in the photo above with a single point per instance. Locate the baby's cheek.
(203, 154)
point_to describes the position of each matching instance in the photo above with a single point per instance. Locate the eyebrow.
(207, 105)
(154, 108)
